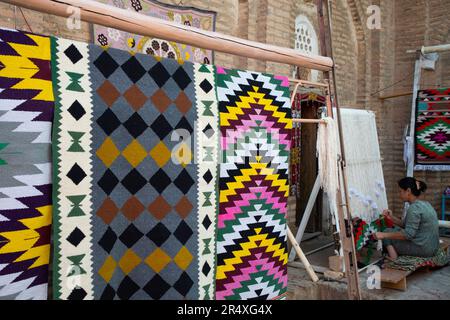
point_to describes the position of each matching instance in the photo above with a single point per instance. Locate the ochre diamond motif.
(161, 154)
(157, 260)
(129, 261)
(134, 153)
(107, 269)
(183, 258)
(108, 152)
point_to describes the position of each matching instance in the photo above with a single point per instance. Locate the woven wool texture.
(26, 113)
(365, 177)
(255, 125)
(149, 201)
(432, 132)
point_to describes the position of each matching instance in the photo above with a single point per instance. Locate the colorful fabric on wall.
(189, 16)
(432, 131)
(294, 172)
(255, 125)
(26, 114)
(301, 100)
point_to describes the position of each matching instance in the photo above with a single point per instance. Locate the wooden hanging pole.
(302, 256)
(113, 17)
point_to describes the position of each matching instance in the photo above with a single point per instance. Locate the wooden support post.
(302, 256)
(306, 215)
(345, 225)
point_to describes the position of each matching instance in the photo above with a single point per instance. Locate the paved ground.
(433, 285)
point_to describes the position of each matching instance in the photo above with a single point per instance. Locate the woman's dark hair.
(417, 187)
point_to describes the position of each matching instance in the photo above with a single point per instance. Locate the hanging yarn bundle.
(328, 155)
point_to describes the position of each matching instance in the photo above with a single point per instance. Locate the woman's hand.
(388, 214)
(379, 235)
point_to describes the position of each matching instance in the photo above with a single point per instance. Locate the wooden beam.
(306, 215)
(396, 95)
(113, 17)
(302, 256)
(310, 121)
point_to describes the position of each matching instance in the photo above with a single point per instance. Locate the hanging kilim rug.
(135, 215)
(136, 153)
(26, 112)
(189, 16)
(255, 125)
(433, 130)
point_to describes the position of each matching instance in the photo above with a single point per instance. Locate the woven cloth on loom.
(432, 131)
(364, 232)
(26, 112)
(255, 125)
(202, 19)
(365, 177)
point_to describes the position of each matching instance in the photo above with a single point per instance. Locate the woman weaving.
(418, 233)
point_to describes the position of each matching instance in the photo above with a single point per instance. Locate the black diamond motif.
(76, 110)
(76, 174)
(77, 294)
(184, 124)
(183, 284)
(183, 232)
(133, 69)
(109, 293)
(108, 121)
(208, 131)
(135, 125)
(160, 180)
(75, 237)
(130, 236)
(127, 288)
(108, 182)
(207, 176)
(156, 287)
(206, 269)
(105, 64)
(108, 240)
(206, 86)
(161, 127)
(134, 181)
(73, 54)
(184, 181)
(206, 222)
(181, 78)
(159, 74)
(159, 234)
